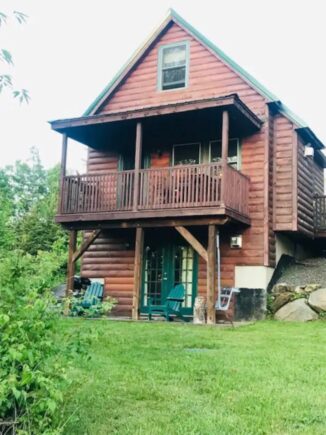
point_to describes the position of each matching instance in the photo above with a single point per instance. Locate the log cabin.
(189, 158)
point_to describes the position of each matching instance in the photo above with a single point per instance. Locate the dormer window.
(173, 66)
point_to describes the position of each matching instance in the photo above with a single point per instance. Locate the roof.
(82, 128)
(173, 16)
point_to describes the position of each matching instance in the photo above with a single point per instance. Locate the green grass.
(159, 378)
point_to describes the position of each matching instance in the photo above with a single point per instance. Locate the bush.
(33, 362)
(97, 310)
(29, 370)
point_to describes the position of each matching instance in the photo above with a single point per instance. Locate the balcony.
(192, 190)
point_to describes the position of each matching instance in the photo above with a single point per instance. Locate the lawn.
(159, 378)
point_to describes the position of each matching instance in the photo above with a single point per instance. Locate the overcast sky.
(69, 50)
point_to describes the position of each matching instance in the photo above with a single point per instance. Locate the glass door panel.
(185, 265)
(154, 276)
(164, 268)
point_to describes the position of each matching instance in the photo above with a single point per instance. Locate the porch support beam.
(225, 137)
(63, 167)
(71, 263)
(63, 155)
(225, 150)
(138, 152)
(85, 245)
(139, 248)
(211, 274)
(193, 242)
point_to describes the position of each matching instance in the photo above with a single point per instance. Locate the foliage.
(6, 79)
(37, 229)
(33, 252)
(29, 197)
(32, 363)
(28, 377)
(100, 309)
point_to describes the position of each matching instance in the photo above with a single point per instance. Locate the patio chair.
(92, 297)
(223, 302)
(172, 305)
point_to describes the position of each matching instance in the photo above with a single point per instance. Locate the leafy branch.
(6, 80)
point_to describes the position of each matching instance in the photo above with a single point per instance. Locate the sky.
(69, 50)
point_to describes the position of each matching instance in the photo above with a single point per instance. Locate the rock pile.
(300, 303)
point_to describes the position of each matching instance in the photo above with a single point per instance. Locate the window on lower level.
(215, 152)
(173, 66)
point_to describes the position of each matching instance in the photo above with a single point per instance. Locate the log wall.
(284, 172)
(310, 183)
(208, 77)
(111, 257)
(267, 157)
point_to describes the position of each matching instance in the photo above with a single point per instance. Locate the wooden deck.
(192, 190)
(320, 216)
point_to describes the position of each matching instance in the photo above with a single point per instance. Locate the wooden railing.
(236, 191)
(180, 187)
(97, 193)
(159, 189)
(320, 213)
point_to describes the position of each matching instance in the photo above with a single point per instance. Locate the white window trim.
(184, 144)
(238, 150)
(160, 63)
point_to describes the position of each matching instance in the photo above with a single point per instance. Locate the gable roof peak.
(172, 15)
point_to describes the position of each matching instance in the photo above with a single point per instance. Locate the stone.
(280, 300)
(199, 311)
(59, 292)
(282, 287)
(297, 311)
(311, 288)
(299, 289)
(317, 300)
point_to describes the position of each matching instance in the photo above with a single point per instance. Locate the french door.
(164, 267)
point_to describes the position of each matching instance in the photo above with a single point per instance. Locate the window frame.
(238, 150)
(186, 43)
(184, 144)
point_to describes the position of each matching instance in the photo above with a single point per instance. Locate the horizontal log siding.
(310, 182)
(252, 252)
(104, 254)
(99, 162)
(283, 174)
(109, 257)
(271, 234)
(208, 77)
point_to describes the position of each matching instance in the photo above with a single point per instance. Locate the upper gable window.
(173, 66)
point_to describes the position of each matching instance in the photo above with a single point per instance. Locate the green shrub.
(33, 362)
(100, 309)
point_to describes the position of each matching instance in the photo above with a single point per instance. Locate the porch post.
(63, 167)
(63, 155)
(225, 151)
(211, 274)
(139, 247)
(71, 263)
(138, 151)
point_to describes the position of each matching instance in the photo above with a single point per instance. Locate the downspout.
(218, 255)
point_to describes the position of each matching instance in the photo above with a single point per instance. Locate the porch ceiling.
(97, 130)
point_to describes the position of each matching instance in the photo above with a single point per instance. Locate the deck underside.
(152, 218)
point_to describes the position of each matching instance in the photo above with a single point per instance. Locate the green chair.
(172, 305)
(93, 296)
